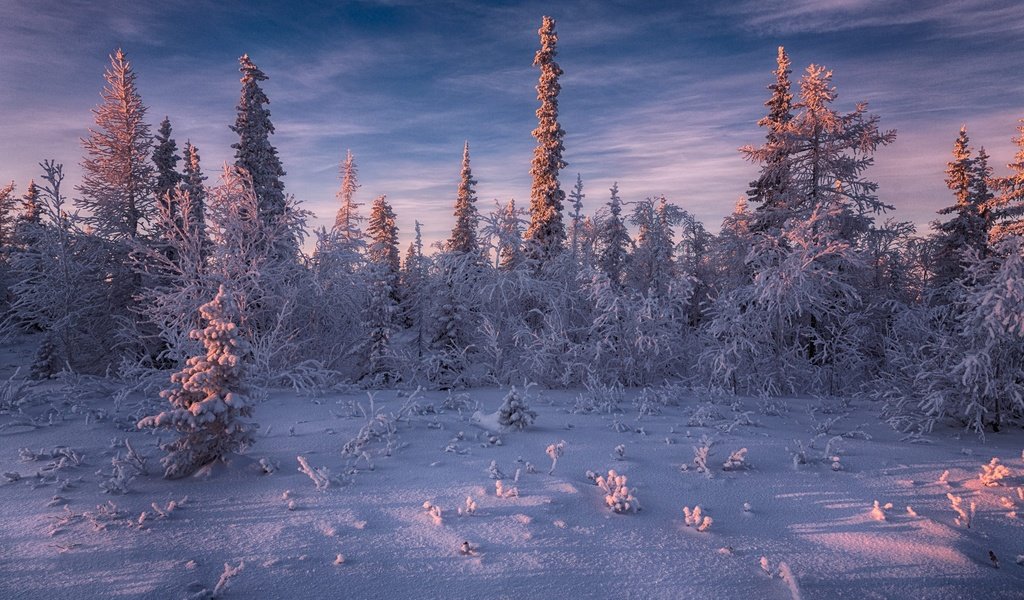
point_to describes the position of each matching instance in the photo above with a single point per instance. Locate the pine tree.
(253, 152)
(968, 229)
(1008, 206)
(166, 159)
(464, 238)
(613, 240)
(208, 397)
(769, 189)
(117, 181)
(577, 196)
(546, 234)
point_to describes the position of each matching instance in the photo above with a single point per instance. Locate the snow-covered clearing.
(367, 533)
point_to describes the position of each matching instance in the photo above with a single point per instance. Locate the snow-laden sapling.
(222, 584)
(993, 473)
(620, 452)
(554, 452)
(964, 515)
(469, 509)
(701, 454)
(321, 476)
(618, 496)
(878, 510)
(208, 397)
(514, 411)
(433, 511)
(494, 471)
(737, 461)
(505, 492)
(696, 518)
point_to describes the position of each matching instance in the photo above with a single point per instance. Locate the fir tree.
(1008, 206)
(208, 397)
(613, 240)
(117, 181)
(546, 234)
(380, 316)
(253, 152)
(464, 238)
(577, 196)
(7, 218)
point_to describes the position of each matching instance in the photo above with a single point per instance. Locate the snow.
(367, 533)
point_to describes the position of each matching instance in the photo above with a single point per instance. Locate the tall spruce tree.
(347, 220)
(1008, 206)
(546, 234)
(193, 184)
(768, 190)
(510, 237)
(116, 192)
(577, 196)
(464, 234)
(165, 158)
(967, 230)
(253, 151)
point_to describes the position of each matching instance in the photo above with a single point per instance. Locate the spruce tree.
(116, 192)
(613, 240)
(1008, 206)
(510, 237)
(381, 311)
(577, 196)
(346, 222)
(31, 210)
(464, 237)
(7, 218)
(382, 230)
(193, 184)
(166, 159)
(546, 234)
(208, 397)
(253, 151)
(967, 230)
(768, 191)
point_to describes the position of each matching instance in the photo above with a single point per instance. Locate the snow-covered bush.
(554, 452)
(878, 510)
(737, 461)
(505, 492)
(321, 476)
(964, 514)
(208, 397)
(618, 496)
(697, 519)
(514, 411)
(993, 473)
(433, 511)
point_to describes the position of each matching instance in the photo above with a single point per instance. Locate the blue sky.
(656, 96)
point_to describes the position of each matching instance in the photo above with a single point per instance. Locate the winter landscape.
(340, 359)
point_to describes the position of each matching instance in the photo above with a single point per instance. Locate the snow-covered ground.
(556, 538)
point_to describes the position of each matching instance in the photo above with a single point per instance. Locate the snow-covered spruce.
(554, 452)
(993, 473)
(514, 411)
(208, 397)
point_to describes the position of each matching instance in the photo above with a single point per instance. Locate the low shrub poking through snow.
(505, 492)
(469, 509)
(697, 519)
(964, 515)
(321, 476)
(554, 452)
(993, 473)
(515, 412)
(618, 496)
(878, 510)
(737, 461)
(433, 511)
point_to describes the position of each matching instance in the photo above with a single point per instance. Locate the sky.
(657, 96)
